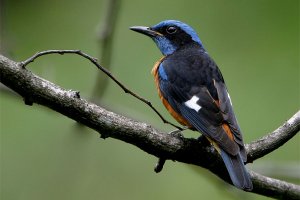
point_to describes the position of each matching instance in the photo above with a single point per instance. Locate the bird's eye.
(171, 29)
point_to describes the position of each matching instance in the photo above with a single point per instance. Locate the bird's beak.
(145, 30)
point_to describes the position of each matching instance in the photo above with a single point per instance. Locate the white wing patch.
(192, 103)
(229, 98)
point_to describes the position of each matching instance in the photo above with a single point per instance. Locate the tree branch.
(274, 188)
(198, 152)
(274, 140)
(105, 71)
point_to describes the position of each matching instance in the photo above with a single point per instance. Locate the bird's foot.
(161, 161)
(178, 132)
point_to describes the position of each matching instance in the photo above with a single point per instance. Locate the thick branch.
(67, 102)
(274, 188)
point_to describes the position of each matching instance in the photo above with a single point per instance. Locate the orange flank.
(228, 131)
(225, 126)
(174, 114)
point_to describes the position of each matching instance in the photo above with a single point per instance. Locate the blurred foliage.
(47, 156)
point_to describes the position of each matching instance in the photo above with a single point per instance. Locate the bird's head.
(170, 35)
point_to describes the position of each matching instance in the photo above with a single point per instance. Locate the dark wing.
(229, 116)
(193, 85)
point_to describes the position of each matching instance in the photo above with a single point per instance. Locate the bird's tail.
(237, 171)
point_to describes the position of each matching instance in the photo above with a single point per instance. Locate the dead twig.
(104, 70)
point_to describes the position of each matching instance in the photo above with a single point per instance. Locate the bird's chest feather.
(154, 71)
(176, 115)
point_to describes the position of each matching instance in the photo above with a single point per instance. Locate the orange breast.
(174, 114)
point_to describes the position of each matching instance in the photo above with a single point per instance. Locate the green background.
(45, 155)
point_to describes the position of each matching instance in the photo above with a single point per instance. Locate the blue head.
(170, 35)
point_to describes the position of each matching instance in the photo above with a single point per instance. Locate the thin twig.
(104, 70)
(159, 165)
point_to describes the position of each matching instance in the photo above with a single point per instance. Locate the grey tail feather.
(237, 171)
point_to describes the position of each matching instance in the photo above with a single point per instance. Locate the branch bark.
(104, 70)
(198, 152)
(274, 140)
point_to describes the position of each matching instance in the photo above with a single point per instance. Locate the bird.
(192, 88)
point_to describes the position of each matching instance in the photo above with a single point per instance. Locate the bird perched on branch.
(193, 90)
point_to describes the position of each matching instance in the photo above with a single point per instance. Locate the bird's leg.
(203, 140)
(177, 132)
(161, 161)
